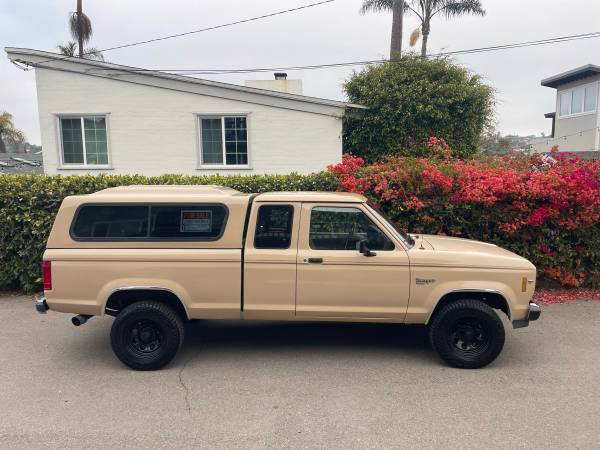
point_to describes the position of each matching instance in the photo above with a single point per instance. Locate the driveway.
(281, 385)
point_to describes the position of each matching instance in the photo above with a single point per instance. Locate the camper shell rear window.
(149, 222)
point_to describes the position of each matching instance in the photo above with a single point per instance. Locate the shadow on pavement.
(303, 334)
(218, 339)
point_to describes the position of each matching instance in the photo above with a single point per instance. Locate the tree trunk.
(425, 31)
(424, 44)
(397, 23)
(79, 28)
(2, 146)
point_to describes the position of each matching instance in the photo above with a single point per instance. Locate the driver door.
(334, 280)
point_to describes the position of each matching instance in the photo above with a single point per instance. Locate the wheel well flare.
(493, 299)
(121, 298)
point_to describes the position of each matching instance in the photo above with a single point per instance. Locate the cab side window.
(274, 227)
(341, 228)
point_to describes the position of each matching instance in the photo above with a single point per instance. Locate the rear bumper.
(41, 305)
(533, 313)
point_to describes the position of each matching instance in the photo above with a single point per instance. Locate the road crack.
(188, 405)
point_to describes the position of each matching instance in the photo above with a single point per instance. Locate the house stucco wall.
(153, 130)
(574, 134)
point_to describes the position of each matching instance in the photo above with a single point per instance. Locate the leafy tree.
(426, 10)
(70, 48)
(397, 8)
(8, 131)
(412, 99)
(493, 143)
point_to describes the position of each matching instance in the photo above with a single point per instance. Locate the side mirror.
(363, 247)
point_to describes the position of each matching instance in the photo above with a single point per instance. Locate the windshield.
(401, 233)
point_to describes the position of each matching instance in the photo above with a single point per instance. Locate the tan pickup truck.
(157, 256)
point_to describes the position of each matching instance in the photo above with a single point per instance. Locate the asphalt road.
(299, 385)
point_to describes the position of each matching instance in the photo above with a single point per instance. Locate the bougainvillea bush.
(546, 210)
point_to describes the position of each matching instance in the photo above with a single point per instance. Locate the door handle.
(315, 260)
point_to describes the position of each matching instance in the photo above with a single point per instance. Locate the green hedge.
(28, 204)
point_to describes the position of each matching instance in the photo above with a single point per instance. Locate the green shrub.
(29, 203)
(412, 99)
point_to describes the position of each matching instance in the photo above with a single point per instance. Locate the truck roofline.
(312, 196)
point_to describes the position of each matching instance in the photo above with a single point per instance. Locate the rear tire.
(467, 334)
(146, 335)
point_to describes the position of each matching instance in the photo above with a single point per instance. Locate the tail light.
(47, 275)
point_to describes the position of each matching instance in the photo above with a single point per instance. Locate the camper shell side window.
(149, 222)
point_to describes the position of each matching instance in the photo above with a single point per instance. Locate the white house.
(97, 117)
(576, 122)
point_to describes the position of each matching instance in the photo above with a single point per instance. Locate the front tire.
(467, 334)
(146, 335)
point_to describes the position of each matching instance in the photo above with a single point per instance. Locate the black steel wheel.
(146, 335)
(467, 334)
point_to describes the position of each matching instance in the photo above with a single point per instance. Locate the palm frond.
(93, 53)
(86, 26)
(376, 6)
(5, 120)
(68, 49)
(416, 7)
(13, 136)
(453, 8)
(8, 131)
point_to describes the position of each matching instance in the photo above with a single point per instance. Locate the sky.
(330, 33)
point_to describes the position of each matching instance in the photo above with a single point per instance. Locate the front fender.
(425, 297)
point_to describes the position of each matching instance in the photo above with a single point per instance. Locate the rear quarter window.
(274, 227)
(200, 222)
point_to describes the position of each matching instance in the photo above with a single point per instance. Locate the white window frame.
(222, 117)
(85, 165)
(570, 96)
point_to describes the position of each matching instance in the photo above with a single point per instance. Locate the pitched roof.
(54, 61)
(571, 75)
(21, 163)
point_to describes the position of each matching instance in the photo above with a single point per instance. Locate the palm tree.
(70, 48)
(397, 8)
(81, 27)
(8, 131)
(425, 10)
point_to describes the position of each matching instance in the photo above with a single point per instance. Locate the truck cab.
(156, 256)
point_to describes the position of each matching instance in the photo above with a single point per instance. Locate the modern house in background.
(576, 121)
(97, 117)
